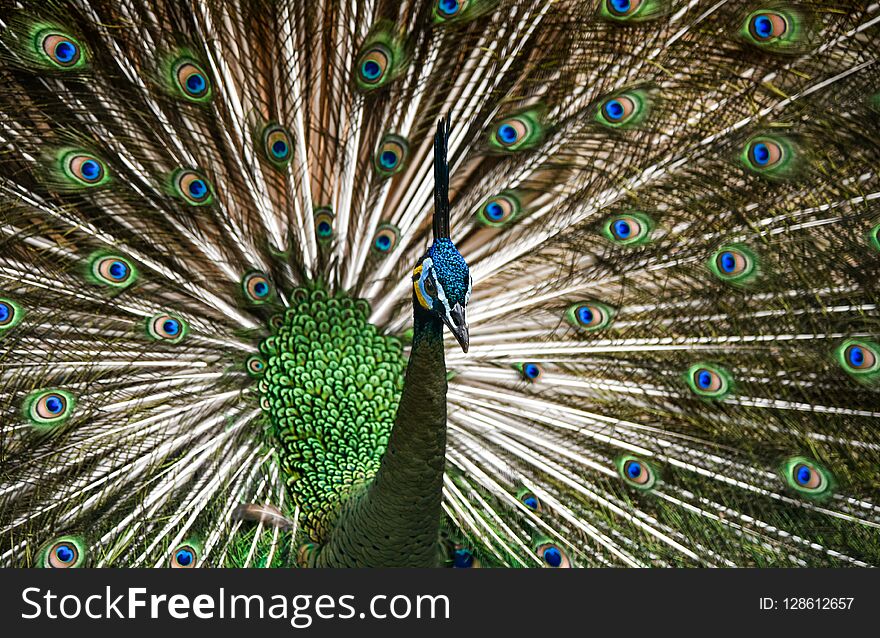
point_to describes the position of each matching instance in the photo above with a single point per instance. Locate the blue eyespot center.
(622, 229)
(494, 211)
(65, 51)
(90, 170)
(5, 312)
(324, 228)
(763, 26)
(388, 159)
(553, 557)
(507, 134)
(279, 149)
(54, 404)
(614, 110)
(371, 70)
(184, 557)
(531, 502)
(196, 83)
(531, 370)
(634, 469)
(118, 270)
(261, 289)
(171, 326)
(704, 379)
(728, 262)
(856, 356)
(65, 553)
(585, 315)
(383, 242)
(621, 6)
(463, 558)
(198, 188)
(803, 475)
(448, 7)
(761, 154)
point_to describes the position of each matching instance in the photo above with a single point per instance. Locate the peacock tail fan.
(210, 213)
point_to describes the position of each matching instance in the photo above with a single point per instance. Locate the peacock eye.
(50, 407)
(516, 132)
(193, 187)
(256, 287)
(589, 316)
(764, 26)
(324, 223)
(464, 558)
(735, 264)
(807, 477)
(166, 327)
(184, 557)
(113, 271)
(708, 381)
(385, 239)
(623, 109)
(430, 286)
(255, 366)
(636, 472)
(61, 49)
(276, 142)
(531, 371)
(10, 314)
(391, 155)
(531, 501)
(64, 553)
(552, 555)
(860, 358)
(192, 80)
(499, 210)
(768, 156)
(84, 169)
(373, 65)
(627, 230)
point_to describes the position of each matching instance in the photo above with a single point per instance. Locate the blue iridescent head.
(442, 280)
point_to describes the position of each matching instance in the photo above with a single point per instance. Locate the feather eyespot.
(324, 223)
(532, 502)
(630, 10)
(552, 556)
(167, 327)
(257, 287)
(637, 472)
(192, 81)
(63, 553)
(113, 270)
(255, 366)
(194, 188)
(589, 316)
(49, 407)
(627, 230)
(386, 239)
(860, 358)
(807, 477)
(531, 371)
(768, 156)
(623, 8)
(184, 557)
(446, 9)
(277, 145)
(84, 169)
(499, 210)
(391, 155)
(516, 132)
(62, 50)
(735, 264)
(373, 65)
(767, 25)
(707, 381)
(10, 314)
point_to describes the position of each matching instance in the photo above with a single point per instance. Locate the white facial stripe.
(441, 295)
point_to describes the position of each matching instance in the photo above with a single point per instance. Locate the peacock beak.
(457, 325)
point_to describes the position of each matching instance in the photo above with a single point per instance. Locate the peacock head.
(442, 285)
(442, 280)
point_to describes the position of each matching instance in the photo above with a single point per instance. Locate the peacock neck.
(394, 522)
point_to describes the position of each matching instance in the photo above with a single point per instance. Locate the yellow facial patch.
(417, 287)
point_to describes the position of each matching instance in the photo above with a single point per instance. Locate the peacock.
(439, 283)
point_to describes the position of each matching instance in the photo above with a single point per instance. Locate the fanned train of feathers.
(670, 213)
